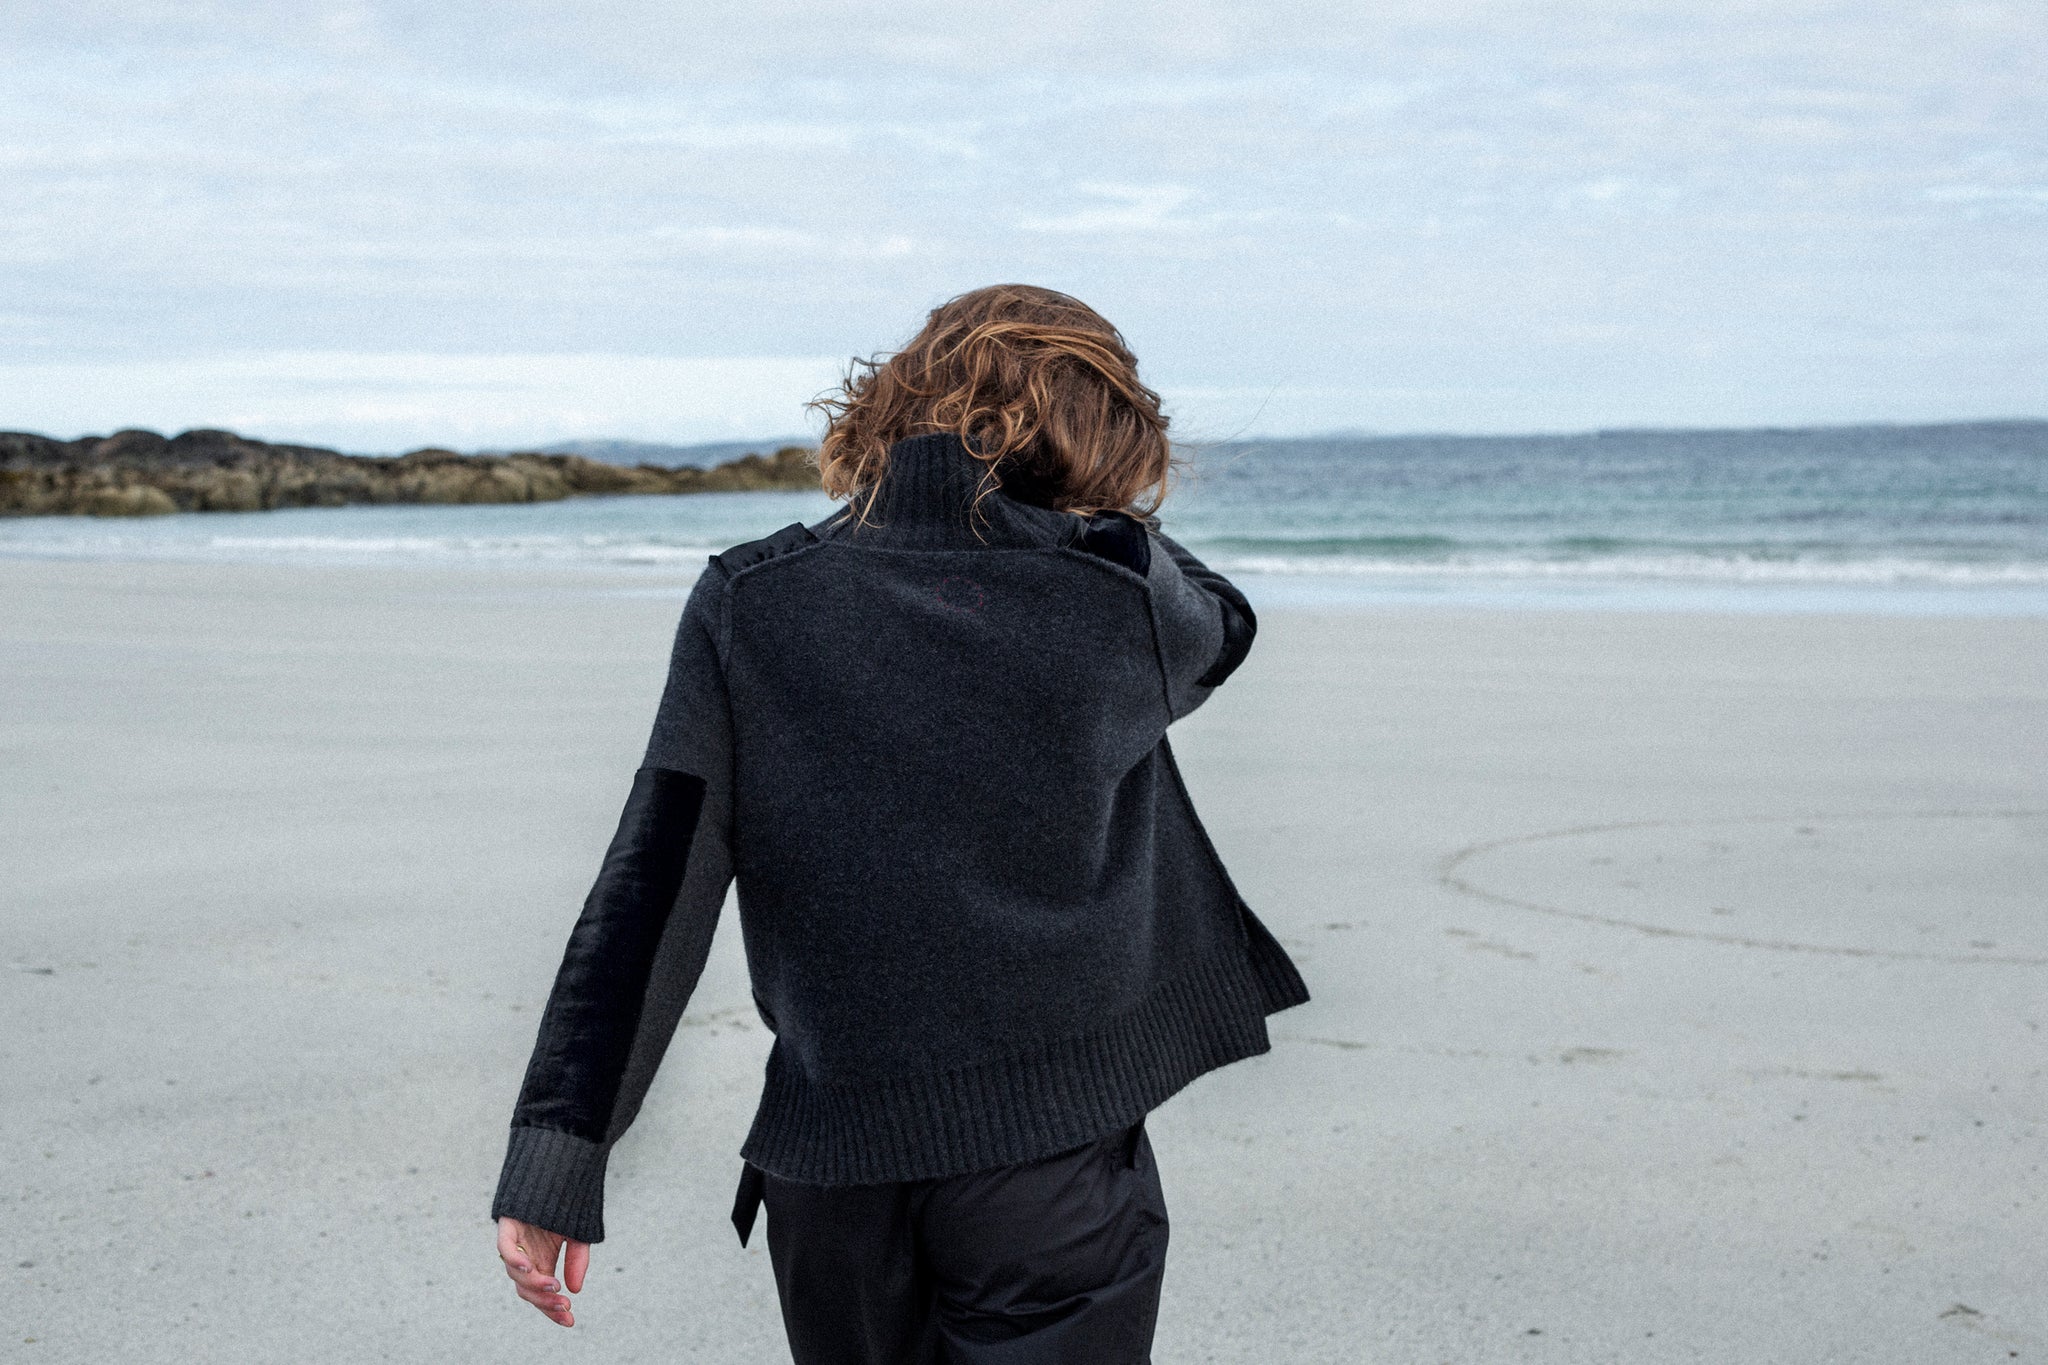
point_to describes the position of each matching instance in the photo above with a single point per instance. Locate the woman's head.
(1041, 387)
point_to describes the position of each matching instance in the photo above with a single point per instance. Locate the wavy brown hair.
(1038, 384)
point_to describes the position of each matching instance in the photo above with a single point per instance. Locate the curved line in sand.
(1447, 875)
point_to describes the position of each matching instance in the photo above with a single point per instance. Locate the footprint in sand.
(1952, 886)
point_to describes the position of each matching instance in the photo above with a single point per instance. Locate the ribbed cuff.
(554, 1181)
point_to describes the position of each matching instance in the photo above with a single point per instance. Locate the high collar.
(936, 493)
(929, 476)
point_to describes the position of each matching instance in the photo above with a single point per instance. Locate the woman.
(926, 737)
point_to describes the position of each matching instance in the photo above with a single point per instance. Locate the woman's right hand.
(529, 1255)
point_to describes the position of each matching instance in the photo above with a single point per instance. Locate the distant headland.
(143, 473)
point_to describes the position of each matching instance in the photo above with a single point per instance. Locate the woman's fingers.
(536, 1281)
(529, 1254)
(554, 1305)
(528, 1250)
(575, 1265)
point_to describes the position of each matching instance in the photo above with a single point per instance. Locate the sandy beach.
(1680, 981)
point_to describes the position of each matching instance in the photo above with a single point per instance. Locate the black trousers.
(1052, 1262)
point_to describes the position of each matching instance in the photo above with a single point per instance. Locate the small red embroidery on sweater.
(960, 594)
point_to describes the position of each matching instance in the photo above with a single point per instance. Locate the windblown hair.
(1038, 384)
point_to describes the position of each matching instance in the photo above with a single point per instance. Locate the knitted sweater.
(981, 917)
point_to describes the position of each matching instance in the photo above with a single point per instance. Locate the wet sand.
(1680, 982)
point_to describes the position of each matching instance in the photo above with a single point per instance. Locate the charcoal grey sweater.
(981, 917)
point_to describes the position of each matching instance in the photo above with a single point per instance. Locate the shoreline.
(669, 571)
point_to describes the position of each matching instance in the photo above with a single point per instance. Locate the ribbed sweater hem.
(1030, 1105)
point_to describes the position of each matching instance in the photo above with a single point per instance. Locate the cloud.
(1131, 208)
(1563, 205)
(2015, 198)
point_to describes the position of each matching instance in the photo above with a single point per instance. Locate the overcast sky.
(382, 225)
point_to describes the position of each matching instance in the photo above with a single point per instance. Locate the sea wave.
(393, 550)
(1879, 571)
(1587, 559)
(544, 549)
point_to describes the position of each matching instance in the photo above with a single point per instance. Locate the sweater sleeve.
(637, 949)
(1205, 626)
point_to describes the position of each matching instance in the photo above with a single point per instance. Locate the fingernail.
(549, 1286)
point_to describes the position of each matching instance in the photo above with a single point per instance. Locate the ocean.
(1920, 519)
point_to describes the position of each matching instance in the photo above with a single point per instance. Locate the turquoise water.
(1943, 519)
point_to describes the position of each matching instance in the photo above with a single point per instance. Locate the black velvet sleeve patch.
(1118, 539)
(593, 1014)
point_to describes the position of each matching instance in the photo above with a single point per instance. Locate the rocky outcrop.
(140, 473)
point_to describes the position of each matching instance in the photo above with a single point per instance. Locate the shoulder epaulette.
(794, 536)
(1118, 538)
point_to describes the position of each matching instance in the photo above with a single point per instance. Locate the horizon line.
(769, 444)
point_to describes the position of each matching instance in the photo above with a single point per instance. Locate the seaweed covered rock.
(143, 473)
